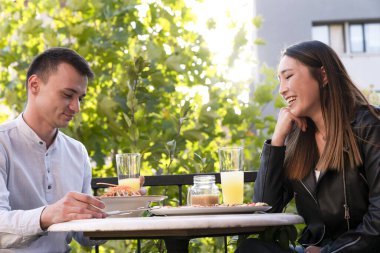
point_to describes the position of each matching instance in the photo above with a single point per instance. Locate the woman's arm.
(271, 186)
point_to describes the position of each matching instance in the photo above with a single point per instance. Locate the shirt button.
(49, 187)
(47, 154)
(41, 142)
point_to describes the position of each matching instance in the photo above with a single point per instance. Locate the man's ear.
(324, 76)
(34, 84)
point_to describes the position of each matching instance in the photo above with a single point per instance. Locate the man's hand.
(312, 249)
(73, 206)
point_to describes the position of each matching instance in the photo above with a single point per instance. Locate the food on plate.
(119, 191)
(224, 205)
(227, 205)
(204, 200)
(216, 209)
(256, 204)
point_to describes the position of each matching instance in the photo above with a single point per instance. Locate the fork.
(118, 212)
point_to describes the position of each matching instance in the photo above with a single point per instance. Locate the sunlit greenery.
(372, 95)
(146, 59)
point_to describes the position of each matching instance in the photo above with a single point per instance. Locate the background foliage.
(146, 60)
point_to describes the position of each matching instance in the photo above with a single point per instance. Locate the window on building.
(349, 37)
(365, 37)
(337, 38)
(321, 33)
(372, 37)
(356, 38)
(330, 34)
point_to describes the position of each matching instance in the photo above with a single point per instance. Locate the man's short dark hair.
(47, 62)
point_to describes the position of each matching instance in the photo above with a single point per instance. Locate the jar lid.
(204, 179)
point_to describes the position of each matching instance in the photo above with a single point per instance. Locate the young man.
(45, 175)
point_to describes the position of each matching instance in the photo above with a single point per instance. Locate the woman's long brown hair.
(339, 100)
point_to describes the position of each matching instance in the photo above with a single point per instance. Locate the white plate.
(191, 210)
(131, 204)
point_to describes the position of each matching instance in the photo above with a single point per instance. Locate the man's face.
(59, 97)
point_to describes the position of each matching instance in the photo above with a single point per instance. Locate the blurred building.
(351, 27)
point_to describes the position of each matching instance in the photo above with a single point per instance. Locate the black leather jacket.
(321, 203)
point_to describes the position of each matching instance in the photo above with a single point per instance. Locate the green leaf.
(127, 119)
(140, 64)
(198, 157)
(131, 100)
(193, 135)
(174, 62)
(257, 21)
(107, 106)
(76, 5)
(259, 41)
(133, 133)
(31, 26)
(171, 148)
(211, 24)
(208, 116)
(279, 102)
(155, 52)
(263, 94)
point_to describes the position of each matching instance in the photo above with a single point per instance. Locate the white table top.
(200, 224)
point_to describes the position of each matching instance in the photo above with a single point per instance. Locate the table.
(176, 230)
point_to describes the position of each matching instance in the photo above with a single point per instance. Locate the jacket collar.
(311, 182)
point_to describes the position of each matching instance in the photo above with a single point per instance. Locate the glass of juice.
(231, 160)
(128, 170)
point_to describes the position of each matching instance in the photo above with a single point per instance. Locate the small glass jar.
(204, 192)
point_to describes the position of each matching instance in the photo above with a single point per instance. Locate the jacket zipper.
(347, 245)
(316, 243)
(316, 202)
(363, 177)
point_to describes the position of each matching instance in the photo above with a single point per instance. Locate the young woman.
(325, 153)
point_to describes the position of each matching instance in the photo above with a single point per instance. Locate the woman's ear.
(324, 76)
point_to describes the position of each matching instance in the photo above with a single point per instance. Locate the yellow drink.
(134, 183)
(232, 187)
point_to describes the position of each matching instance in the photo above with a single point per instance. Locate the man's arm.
(19, 228)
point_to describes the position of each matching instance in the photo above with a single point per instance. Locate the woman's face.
(299, 88)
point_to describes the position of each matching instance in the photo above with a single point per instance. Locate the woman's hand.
(312, 249)
(142, 189)
(284, 125)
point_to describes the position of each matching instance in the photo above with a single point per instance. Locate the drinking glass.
(128, 170)
(231, 160)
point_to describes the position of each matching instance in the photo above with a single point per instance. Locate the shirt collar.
(31, 135)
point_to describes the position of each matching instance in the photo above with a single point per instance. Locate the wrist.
(278, 141)
(44, 220)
